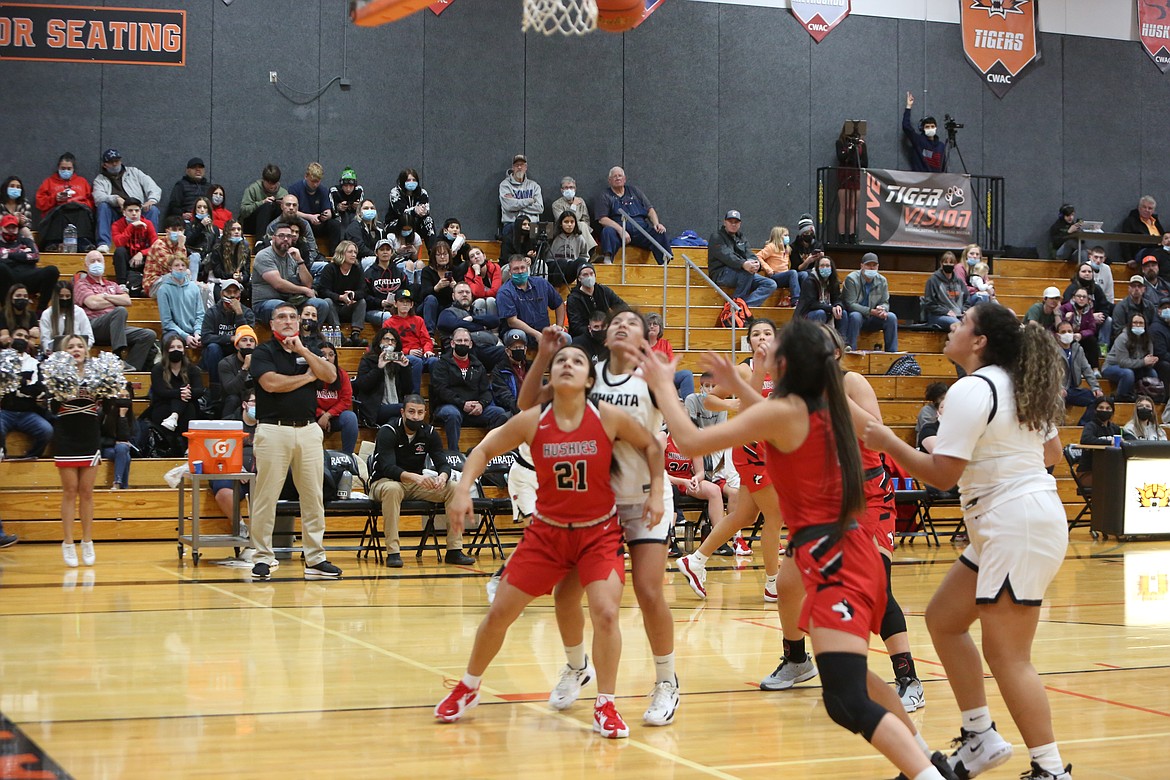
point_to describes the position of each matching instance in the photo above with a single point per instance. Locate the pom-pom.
(9, 371)
(103, 375)
(59, 375)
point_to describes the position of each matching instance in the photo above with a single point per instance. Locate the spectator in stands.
(406, 242)
(1099, 430)
(980, 281)
(65, 199)
(1102, 273)
(416, 339)
(22, 409)
(587, 297)
(945, 295)
(1160, 341)
(1078, 370)
(383, 281)
(176, 385)
(732, 265)
(1162, 253)
(570, 201)
(1144, 219)
(310, 332)
(107, 303)
(524, 303)
(290, 215)
(383, 380)
(934, 395)
(14, 201)
(346, 197)
(1044, 311)
(220, 214)
(567, 250)
(112, 186)
(401, 452)
(280, 274)
(774, 263)
(485, 277)
(684, 379)
(62, 317)
(77, 452)
(593, 339)
(133, 238)
(18, 312)
(1144, 425)
(192, 185)
(480, 323)
(168, 247)
(314, 205)
(928, 151)
(852, 155)
(221, 322)
(867, 303)
(231, 258)
(1130, 358)
(261, 202)
(201, 235)
(519, 241)
(234, 377)
(1134, 303)
(807, 249)
(335, 404)
(365, 230)
(19, 262)
(225, 489)
(452, 233)
(437, 283)
(1086, 324)
(971, 255)
(1085, 279)
(408, 197)
(621, 195)
(461, 391)
(180, 304)
(508, 375)
(345, 287)
(1157, 288)
(117, 432)
(519, 196)
(820, 296)
(1062, 236)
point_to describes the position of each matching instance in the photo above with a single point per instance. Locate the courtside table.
(196, 541)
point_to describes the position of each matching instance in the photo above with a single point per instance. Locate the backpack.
(688, 238)
(336, 464)
(906, 365)
(729, 317)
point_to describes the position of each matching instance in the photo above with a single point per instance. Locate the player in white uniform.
(997, 437)
(641, 515)
(522, 492)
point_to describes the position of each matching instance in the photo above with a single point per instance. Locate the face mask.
(1165, 314)
(309, 325)
(411, 425)
(132, 220)
(1104, 415)
(448, 237)
(20, 304)
(1066, 338)
(521, 278)
(568, 194)
(461, 350)
(787, 240)
(1138, 331)
(175, 356)
(173, 236)
(235, 239)
(217, 200)
(180, 276)
(97, 270)
(972, 260)
(518, 355)
(824, 272)
(227, 302)
(20, 345)
(948, 269)
(369, 214)
(245, 351)
(869, 273)
(1143, 412)
(1094, 265)
(407, 232)
(250, 410)
(411, 186)
(65, 302)
(588, 281)
(14, 192)
(930, 132)
(66, 175)
(114, 171)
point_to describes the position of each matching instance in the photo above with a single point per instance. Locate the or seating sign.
(66, 33)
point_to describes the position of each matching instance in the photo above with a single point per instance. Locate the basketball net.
(567, 17)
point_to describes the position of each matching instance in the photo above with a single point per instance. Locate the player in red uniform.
(687, 476)
(574, 526)
(811, 453)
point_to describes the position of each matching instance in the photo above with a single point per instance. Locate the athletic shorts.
(1017, 547)
(546, 553)
(844, 584)
(879, 516)
(753, 476)
(635, 528)
(728, 477)
(522, 491)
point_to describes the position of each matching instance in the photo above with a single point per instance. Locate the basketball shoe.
(458, 701)
(663, 704)
(976, 752)
(695, 574)
(788, 674)
(608, 723)
(568, 688)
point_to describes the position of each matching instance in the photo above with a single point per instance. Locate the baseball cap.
(870, 257)
(382, 243)
(1149, 259)
(8, 220)
(1051, 292)
(226, 283)
(733, 214)
(109, 155)
(196, 162)
(243, 330)
(519, 158)
(513, 336)
(1135, 279)
(348, 174)
(404, 295)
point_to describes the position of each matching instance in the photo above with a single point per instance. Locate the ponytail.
(845, 439)
(1038, 379)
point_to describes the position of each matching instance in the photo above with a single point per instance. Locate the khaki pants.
(279, 448)
(392, 493)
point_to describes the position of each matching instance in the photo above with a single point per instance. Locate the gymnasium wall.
(707, 106)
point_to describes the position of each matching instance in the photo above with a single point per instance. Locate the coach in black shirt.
(400, 455)
(288, 439)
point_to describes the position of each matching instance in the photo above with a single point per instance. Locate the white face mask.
(1066, 338)
(568, 194)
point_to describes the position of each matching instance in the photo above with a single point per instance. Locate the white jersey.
(631, 394)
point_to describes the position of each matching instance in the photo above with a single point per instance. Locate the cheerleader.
(77, 453)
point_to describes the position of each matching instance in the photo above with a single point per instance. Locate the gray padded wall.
(708, 107)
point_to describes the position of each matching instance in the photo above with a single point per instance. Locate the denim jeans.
(30, 423)
(120, 454)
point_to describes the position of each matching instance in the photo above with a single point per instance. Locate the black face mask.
(308, 325)
(948, 269)
(1104, 415)
(175, 355)
(518, 355)
(245, 351)
(20, 304)
(1145, 414)
(461, 350)
(411, 425)
(20, 345)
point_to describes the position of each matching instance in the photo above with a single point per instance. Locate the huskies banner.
(902, 208)
(1154, 28)
(819, 17)
(999, 39)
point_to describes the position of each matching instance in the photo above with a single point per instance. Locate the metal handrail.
(690, 266)
(627, 220)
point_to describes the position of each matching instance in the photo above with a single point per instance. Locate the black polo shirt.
(299, 405)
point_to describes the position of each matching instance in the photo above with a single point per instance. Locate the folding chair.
(1072, 456)
(495, 477)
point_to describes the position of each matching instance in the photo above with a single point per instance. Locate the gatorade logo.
(220, 448)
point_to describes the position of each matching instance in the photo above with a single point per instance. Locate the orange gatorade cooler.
(219, 444)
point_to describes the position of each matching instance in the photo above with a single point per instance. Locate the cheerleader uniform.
(77, 436)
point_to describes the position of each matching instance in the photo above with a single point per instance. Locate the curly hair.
(1031, 358)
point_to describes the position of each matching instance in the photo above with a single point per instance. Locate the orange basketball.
(618, 16)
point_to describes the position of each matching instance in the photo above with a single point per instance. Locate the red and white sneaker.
(741, 546)
(770, 594)
(608, 723)
(458, 701)
(695, 573)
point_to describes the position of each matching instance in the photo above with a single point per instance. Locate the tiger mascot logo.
(1154, 495)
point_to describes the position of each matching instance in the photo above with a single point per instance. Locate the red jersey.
(572, 470)
(810, 475)
(677, 464)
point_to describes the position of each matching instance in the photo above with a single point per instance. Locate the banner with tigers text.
(820, 17)
(1154, 29)
(1000, 39)
(67, 33)
(909, 209)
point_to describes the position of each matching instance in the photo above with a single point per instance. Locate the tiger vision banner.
(910, 209)
(820, 17)
(1000, 39)
(67, 33)
(1154, 29)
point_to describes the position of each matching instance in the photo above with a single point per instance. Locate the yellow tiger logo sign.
(1154, 495)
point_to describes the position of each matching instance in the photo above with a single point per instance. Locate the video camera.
(951, 125)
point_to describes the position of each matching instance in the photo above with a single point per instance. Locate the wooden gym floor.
(145, 667)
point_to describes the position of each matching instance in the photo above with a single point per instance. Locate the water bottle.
(69, 238)
(343, 487)
(334, 336)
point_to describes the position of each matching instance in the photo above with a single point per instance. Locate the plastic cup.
(1117, 440)
(197, 467)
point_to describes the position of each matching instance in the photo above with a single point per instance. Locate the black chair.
(1072, 456)
(488, 508)
(923, 524)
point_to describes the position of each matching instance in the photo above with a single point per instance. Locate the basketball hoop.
(567, 17)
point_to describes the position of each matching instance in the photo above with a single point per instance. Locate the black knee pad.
(893, 622)
(847, 702)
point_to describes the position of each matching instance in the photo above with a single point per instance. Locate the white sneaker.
(568, 688)
(69, 553)
(978, 751)
(788, 674)
(663, 704)
(770, 595)
(911, 693)
(87, 556)
(104, 249)
(695, 574)
(493, 584)
(171, 422)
